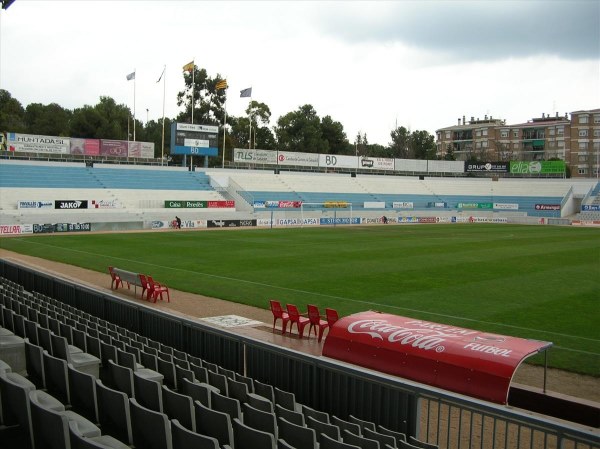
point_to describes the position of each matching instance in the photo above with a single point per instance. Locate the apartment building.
(576, 140)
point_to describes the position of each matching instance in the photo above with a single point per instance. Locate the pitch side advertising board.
(195, 140)
(38, 144)
(491, 167)
(294, 158)
(255, 156)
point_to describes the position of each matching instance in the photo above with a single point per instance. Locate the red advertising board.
(90, 147)
(221, 204)
(465, 361)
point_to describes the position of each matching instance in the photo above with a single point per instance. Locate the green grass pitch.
(540, 282)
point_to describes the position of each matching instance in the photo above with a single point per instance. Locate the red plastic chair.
(316, 322)
(332, 316)
(157, 289)
(115, 279)
(279, 313)
(296, 317)
(145, 285)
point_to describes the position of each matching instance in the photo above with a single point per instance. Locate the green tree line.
(301, 130)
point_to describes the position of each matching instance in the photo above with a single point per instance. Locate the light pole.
(147, 110)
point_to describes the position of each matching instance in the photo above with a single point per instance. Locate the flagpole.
(162, 151)
(193, 83)
(250, 120)
(224, 128)
(134, 70)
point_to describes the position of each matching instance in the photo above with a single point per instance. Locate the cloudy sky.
(369, 65)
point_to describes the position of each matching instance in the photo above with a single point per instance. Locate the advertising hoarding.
(337, 161)
(255, 156)
(537, 167)
(301, 159)
(88, 147)
(115, 148)
(38, 144)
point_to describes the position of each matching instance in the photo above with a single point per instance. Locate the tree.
(105, 120)
(12, 114)
(50, 120)
(400, 145)
(208, 101)
(422, 145)
(301, 131)
(449, 156)
(333, 133)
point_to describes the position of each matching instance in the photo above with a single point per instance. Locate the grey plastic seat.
(219, 381)
(285, 399)
(297, 436)
(260, 402)
(245, 436)
(50, 422)
(180, 407)
(150, 429)
(149, 360)
(362, 423)
(129, 360)
(16, 408)
(382, 438)
(185, 439)
(78, 441)
(322, 428)
(80, 360)
(183, 373)
(57, 378)
(261, 420)
(200, 372)
(114, 413)
(237, 390)
(291, 416)
(398, 436)
(82, 388)
(282, 444)
(148, 393)
(122, 378)
(34, 361)
(247, 380)
(264, 390)
(213, 424)
(362, 442)
(199, 391)
(346, 425)
(167, 369)
(225, 404)
(422, 444)
(329, 443)
(318, 415)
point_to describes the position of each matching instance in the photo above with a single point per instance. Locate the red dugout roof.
(465, 361)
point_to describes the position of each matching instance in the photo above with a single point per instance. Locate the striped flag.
(161, 75)
(131, 76)
(221, 85)
(188, 67)
(246, 92)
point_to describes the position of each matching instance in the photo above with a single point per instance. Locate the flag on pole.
(221, 85)
(246, 92)
(131, 76)
(189, 67)
(161, 75)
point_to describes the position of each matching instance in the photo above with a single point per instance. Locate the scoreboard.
(196, 140)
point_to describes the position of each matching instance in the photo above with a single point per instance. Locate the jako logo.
(70, 205)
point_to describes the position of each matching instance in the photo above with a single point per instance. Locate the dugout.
(470, 362)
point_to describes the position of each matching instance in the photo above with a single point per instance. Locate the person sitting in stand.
(178, 220)
(384, 219)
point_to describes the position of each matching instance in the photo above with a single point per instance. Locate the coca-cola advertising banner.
(465, 361)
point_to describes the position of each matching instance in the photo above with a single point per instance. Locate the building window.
(447, 134)
(584, 120)
(516, 146)
(561, 143)
(550, 131)
(583, 133)
(597, 133)
(516, 133)
(583, 146)
(596, 147)
(484, 144)
(560, 131)
(484, 132)
(582, 171)
(478, 134)
(582, 158)
(504, 134)
(597, 119)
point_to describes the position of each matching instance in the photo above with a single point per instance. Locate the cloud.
(470, 30)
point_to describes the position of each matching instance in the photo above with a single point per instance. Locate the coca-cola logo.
(426, 339)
